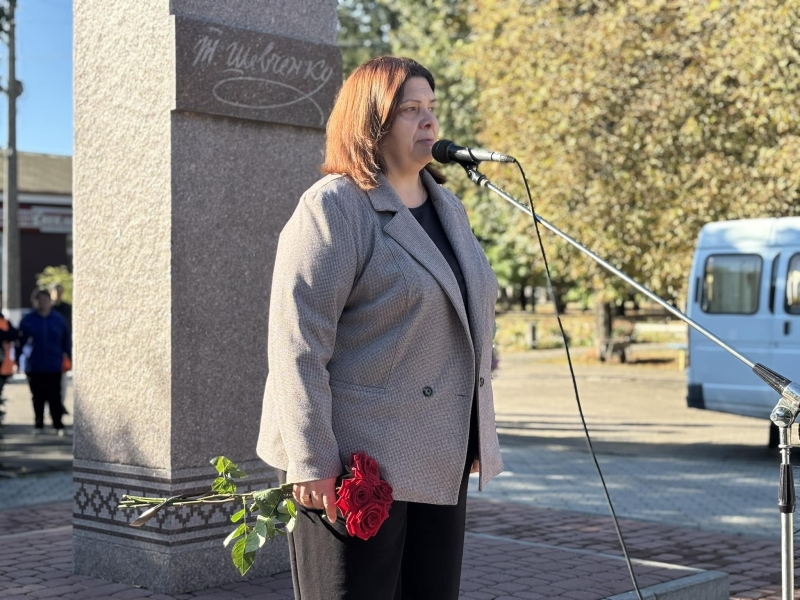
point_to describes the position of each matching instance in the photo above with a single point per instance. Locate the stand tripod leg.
(787, 560)
(786, 505)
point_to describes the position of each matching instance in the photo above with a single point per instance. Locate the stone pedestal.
(198, 125)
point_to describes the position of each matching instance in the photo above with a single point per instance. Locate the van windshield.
(731, 284)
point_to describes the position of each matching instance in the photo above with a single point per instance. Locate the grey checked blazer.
(370, 346)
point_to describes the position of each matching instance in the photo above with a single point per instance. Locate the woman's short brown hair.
(363, 114)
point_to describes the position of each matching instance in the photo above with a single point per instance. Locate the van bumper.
(694, 396)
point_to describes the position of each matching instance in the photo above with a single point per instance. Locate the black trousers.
(416, 554)
(46, 389)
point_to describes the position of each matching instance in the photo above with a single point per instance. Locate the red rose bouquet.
(362, 497)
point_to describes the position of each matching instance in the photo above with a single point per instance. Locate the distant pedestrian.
(51, 344)
(8, 348)
(65, 310)
(61, 307)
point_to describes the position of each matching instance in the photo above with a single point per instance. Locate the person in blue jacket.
(49, 335)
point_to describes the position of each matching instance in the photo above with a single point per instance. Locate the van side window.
(773, 280)
(731, 284)
(793, 286)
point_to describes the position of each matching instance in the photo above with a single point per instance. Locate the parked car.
(744, 288)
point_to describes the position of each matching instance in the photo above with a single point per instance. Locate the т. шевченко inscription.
(241, 73)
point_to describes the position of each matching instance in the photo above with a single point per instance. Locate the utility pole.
(12, 295)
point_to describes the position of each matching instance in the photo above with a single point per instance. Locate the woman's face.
(407, 146)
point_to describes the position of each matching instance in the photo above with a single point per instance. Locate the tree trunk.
(559, 294)
(523, 301)
(505, 304)
(602, 325)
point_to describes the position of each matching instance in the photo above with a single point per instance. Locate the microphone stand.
(783, 415)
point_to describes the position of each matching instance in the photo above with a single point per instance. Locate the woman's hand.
(319, 494)
(476, 466)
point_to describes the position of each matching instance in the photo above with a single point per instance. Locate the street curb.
(707, 585)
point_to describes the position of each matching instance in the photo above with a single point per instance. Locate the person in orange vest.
(8, 350)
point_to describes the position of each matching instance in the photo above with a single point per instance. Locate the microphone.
(445, 151)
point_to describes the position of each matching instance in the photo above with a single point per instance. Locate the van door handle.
(787, 327)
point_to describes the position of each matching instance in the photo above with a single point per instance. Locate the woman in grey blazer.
(380, 340)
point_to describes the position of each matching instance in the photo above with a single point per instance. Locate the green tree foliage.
(52, 276)
(363, 32)
(639, 121)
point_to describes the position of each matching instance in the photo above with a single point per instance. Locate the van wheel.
(774, 436)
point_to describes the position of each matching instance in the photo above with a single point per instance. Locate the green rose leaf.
(270, 528)
(290, 525)
(236, 473)
(234, 534)
(284, 517)
(237, 516)
(266, 526)
(226, 466)
(286, 508)
(223, 486)
(268, 500)
(256, 538)
(242, 559)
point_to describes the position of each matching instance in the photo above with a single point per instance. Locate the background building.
(45, 215)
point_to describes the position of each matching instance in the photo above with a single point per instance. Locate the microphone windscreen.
(439, 151)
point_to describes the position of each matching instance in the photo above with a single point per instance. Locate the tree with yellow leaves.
(639, 121)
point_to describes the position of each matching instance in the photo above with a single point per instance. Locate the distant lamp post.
(12, 296)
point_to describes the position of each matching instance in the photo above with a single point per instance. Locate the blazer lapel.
(460, 236)
(407, 232)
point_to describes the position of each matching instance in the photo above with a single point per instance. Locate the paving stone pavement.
(694, 489)
(43, 488)
(734, 497)
(661, 461)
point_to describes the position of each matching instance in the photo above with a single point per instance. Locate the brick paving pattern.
(511, 551)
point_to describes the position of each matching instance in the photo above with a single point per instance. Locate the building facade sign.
(44, 219)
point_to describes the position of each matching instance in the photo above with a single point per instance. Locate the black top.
(426, 215)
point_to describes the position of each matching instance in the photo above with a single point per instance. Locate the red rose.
(354, 494)
(364, 466)
(343, 497)
(364, 523)
(382, 493)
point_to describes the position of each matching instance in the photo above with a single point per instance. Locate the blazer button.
(481, 381)
(427, 391)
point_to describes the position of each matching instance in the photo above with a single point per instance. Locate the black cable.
(550, 291)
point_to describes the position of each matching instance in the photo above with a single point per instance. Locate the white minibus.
(744, 288)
